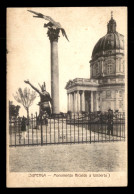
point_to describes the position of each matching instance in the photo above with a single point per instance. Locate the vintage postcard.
(66, 97)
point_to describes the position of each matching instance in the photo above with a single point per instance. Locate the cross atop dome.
(111, 26)
(111, 14)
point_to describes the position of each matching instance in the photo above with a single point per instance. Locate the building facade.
(106, 87)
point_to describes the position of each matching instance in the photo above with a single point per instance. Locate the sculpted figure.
(44, 98)
(51, 24)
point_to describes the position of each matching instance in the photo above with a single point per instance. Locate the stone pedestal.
(53, 36)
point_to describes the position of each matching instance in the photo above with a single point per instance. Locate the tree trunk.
(27, 113)
(27, 109)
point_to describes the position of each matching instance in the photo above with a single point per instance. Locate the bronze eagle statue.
(51, 23)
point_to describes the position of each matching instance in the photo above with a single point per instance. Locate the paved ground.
(93, 157)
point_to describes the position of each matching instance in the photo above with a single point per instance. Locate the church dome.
(111, 41)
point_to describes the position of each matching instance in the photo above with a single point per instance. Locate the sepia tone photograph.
(66, 97)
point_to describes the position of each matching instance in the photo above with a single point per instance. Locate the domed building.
(105, 88)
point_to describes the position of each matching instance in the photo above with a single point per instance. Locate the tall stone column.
(97, 101)
(78, 101)
(53, 35)
(75, 101)
(117, 100)
(68, 102)
(71, 102)
(100, 101)
(83, 100)
(92, 103)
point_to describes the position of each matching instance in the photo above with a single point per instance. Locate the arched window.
(109, 69)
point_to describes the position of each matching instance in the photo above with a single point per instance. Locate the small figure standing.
(110, 122)
(44, 99)
(24, 127)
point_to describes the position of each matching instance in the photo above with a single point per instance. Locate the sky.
(29, 47)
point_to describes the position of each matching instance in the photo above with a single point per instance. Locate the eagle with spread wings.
(51, 23)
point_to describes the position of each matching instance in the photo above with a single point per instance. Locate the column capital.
(81, 91)
(53, 34)
(72, 92)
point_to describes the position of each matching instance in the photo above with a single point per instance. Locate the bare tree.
(25, 97)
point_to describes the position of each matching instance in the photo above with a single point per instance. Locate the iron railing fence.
(68, 128)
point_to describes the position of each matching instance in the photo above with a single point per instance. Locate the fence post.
(74, 127)
(19, 129)
(15, 132)
(66, 129)
(36, 128)
(78, 125)
(82, 127)
(58, 129)
(70, 117)
(124, 124)
(41, 130)
(62, 131)
(87, 128)
(90, 124)
(10, 130)
(54, 128)
(120, 124)
(32, 126)
(50, 128)
(46, 123)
